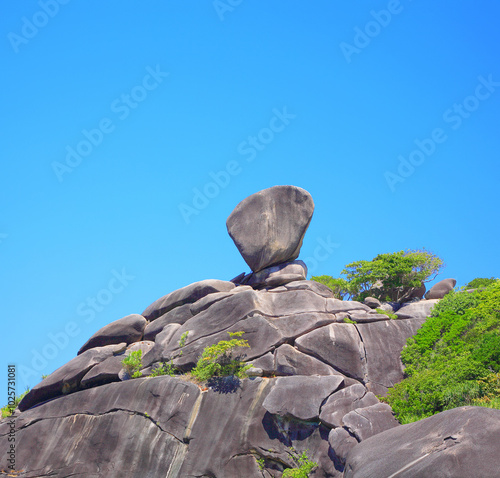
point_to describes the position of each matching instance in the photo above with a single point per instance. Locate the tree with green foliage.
(389, 277)
(454, 359)
(218, 360)
(479, 282)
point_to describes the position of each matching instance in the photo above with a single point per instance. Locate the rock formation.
(318, 364)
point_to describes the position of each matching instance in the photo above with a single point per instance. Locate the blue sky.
(130, 130)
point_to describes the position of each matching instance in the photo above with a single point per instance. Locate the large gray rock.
(301, 397)
(289, 361)
(129, 329)
(339, 346)
(366, 422)
(439, 290)
(186, 295)
(268, 227)
(417, 310)
(66, 379)
(383, 342)
(179, 315)
(458, 443)
(345, 401)
(275, 276)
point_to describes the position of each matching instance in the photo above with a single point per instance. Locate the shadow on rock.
(224, 384)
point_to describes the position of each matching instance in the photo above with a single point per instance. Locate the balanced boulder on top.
(268, 227)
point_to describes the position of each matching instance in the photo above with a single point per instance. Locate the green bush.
(166, 368)
(133, 363)
(480, 282)
(305, 466)
(8, 410)
(451, 359)
(217, 360)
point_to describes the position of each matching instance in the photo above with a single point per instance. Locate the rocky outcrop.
(268, 227)
(129, 329)
(457, 443)
(439, 290)
(318, 364)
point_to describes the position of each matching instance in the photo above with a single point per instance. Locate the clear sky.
(130, 130)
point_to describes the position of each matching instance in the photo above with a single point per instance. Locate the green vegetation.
(183, 339)
(133, 363)
(218, 361)
(8, 410)
(386, 312)
(454, 359)
(305, 466)
(166, 368)
(347, 320)
(479, 282)
(388, 277)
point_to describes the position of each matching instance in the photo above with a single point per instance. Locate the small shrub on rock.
(133, 363)
(218, 361)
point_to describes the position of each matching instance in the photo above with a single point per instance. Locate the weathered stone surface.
(311, 285)
(268, 227)
(418, 310)
(110, 418)
(366, 422)
(362, 316)
(301, 397)
(439, 290)
(289, 361)
(186, 295)
(458, 443)
(66, 379)
(372, 302)
(292, 326)
(265, 363)
(128, 329)
(275, 276)
(179, 315)
(105, 372)
(342, 442)
(345, 401)
(417, 292)
(335, 306)
(205, 302)
(337, 345)
(383, 342)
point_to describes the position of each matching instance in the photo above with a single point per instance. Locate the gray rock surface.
(179, 315)
(363, 423)
(439, 290)
(458, 443)
(301, 397)
(372, 302)
(268, 227)
(275, 276)
(289, 361)
(129, 329)
(419, 310)
(66, 379)
(187, 295)
(344, 401)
